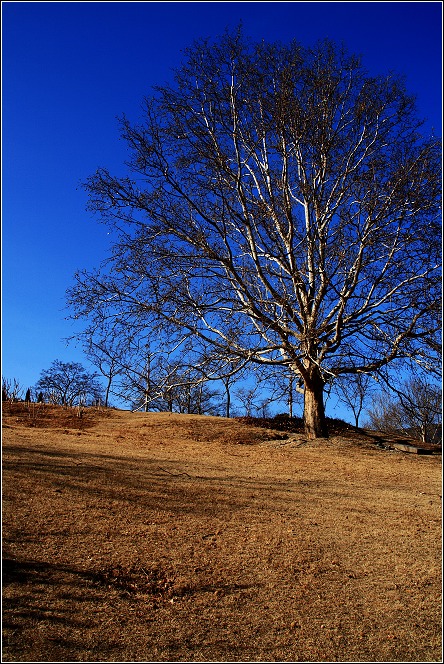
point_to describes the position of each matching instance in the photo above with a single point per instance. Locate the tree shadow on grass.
(159, 484)
(51, 611)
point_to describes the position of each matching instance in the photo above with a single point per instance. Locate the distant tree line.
(180, 383)
(149, 373)
(64, 384)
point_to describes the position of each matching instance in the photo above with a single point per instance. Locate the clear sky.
(70, 68)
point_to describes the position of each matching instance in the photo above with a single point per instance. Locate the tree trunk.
(108, 388)
(314, 412)
(290, 396)
(228, 402)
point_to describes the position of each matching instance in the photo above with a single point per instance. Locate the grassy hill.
(163, 537)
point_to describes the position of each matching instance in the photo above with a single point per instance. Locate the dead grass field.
(160, 537)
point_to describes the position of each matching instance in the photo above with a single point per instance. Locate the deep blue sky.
(69, 69)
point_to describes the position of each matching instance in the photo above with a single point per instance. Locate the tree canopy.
(283, 206)
(69, 384)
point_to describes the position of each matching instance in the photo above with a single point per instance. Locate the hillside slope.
(160, 537)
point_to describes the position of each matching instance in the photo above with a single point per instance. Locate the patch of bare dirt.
(161, 537)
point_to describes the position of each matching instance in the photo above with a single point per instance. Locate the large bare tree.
(282, 205)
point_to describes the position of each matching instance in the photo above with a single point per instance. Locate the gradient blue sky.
(69, 69)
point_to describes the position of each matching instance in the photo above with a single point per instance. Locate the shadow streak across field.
(51, 604)
(35, 579)
(44, 592)
(160, 484)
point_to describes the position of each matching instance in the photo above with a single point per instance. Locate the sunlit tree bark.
(282, 206)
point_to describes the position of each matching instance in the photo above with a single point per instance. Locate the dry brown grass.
(158, 537)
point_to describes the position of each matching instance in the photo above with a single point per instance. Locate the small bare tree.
(224, 368)
(353, 390)
(11, 389)
(68, 384)
(286, 387)
(102, 355)
(415, 407)
(249, 397)
(383, 414)
(421, 405)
